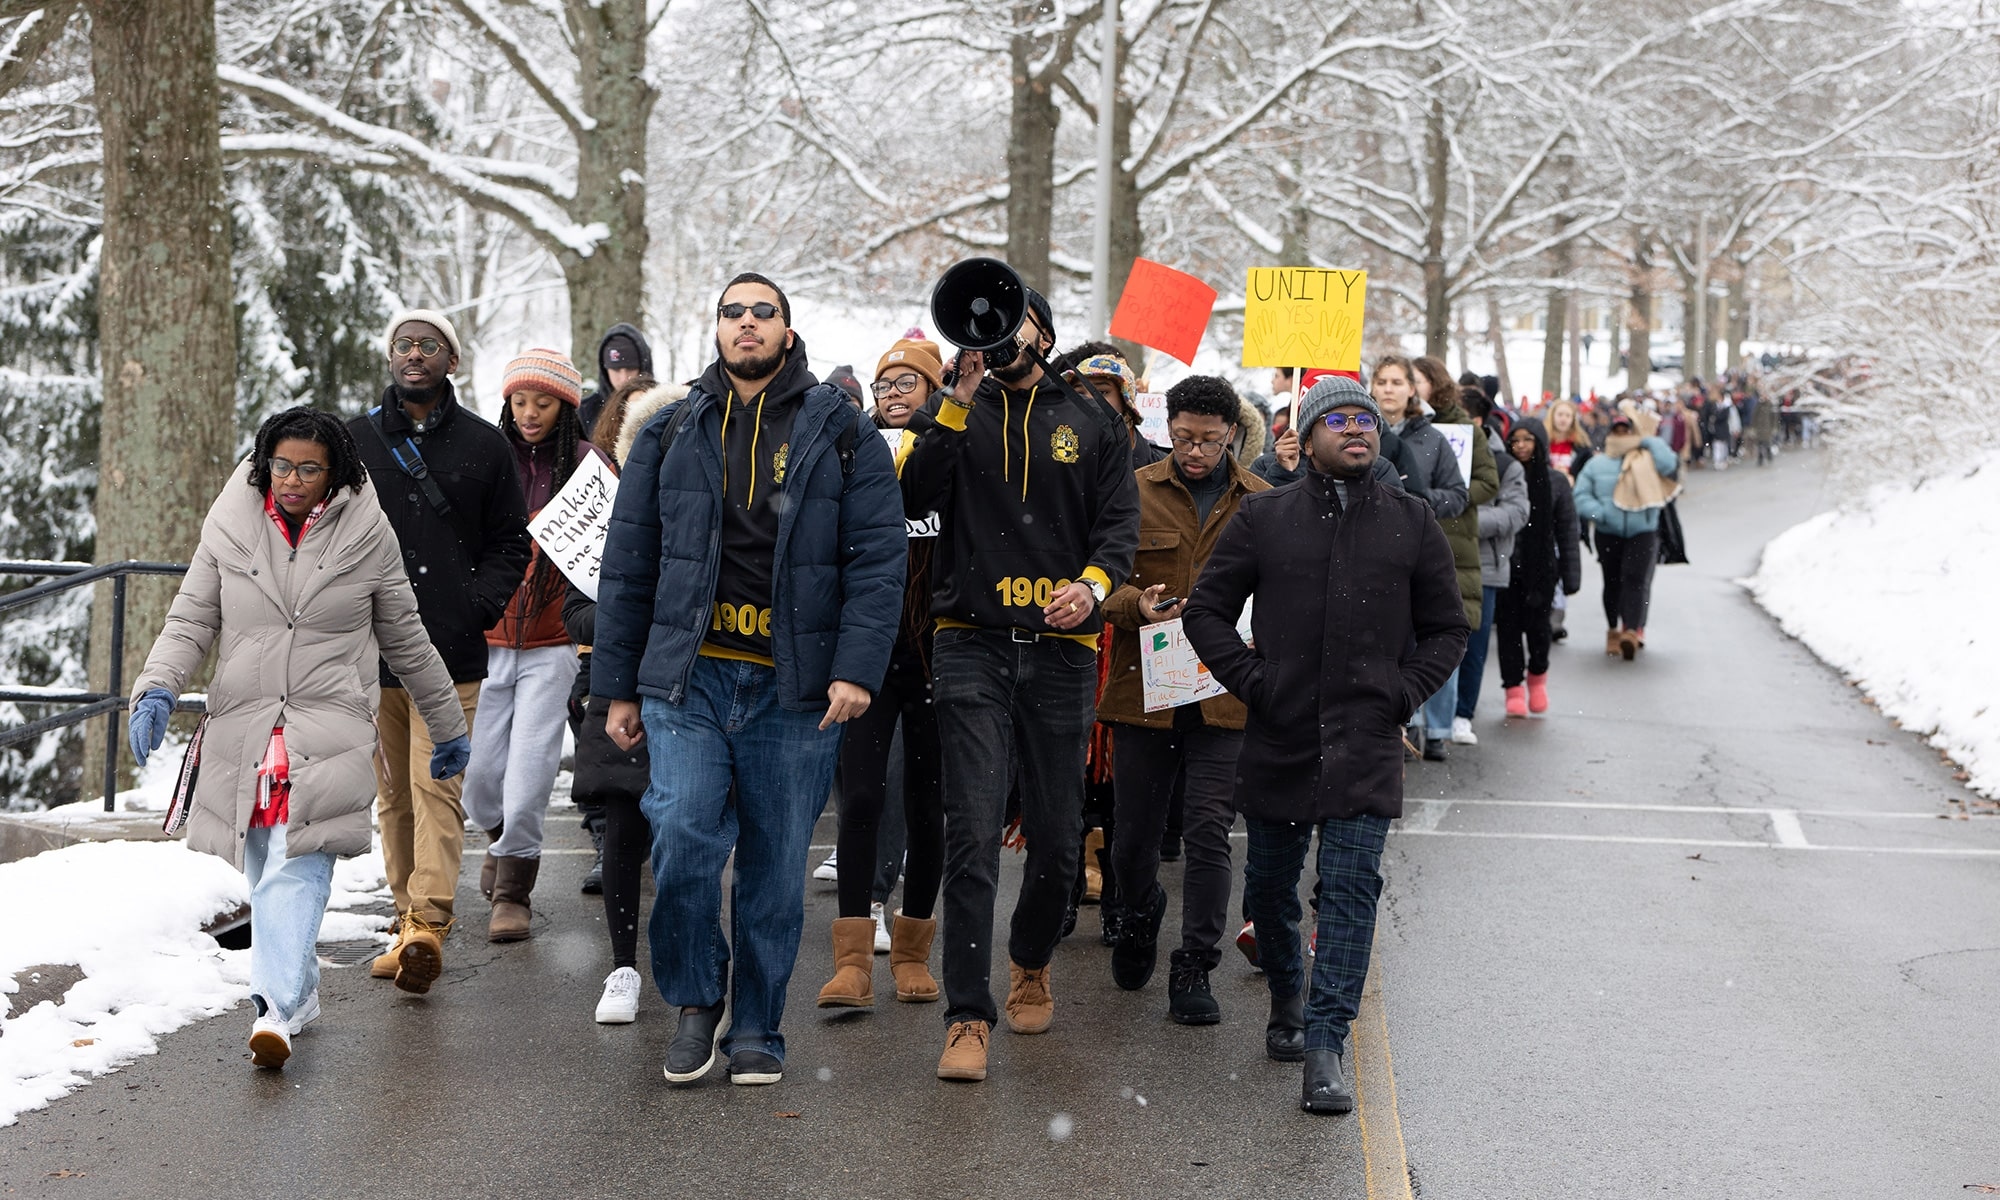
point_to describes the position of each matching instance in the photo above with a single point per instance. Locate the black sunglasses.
(759, 310)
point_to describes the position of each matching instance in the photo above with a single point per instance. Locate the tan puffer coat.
(296, 635)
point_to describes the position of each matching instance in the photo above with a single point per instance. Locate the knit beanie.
(919, 354)
(1330, 393)
(429, 317)
(547, 371)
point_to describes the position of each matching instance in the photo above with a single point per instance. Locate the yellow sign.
(1303, 317)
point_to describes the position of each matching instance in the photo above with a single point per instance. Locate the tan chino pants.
(423, 822)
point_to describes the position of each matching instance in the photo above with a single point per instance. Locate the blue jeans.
(287, 899)
(731, 731)
(1436, 712)
(1472, 668)
(1350, 884)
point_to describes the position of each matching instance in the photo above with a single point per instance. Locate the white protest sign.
(929, 526)
(1171, 673)
(1460, 437)
(1152, 408)
(570, 529)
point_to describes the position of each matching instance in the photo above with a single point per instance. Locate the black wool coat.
(1357, 621)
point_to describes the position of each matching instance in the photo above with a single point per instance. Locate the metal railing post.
(114, 720)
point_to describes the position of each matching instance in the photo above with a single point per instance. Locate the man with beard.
(1039, 518)
(751, 590)
(1357, 620)
(448, 483)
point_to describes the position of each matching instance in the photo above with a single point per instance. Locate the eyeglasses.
(1359, 422)
(759, 310)
(282, 468)
(1202, 449)
(902, 385)
(402, 346)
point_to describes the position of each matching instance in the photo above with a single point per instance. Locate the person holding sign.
(1185, 503)
(1357, 619)
(751, 588)
(517, 741)
(1040, 515)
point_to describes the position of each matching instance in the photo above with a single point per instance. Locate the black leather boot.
(1325, 1090)
(1189, 1001)
(1285, 1033)
(593, 879)
(1138, 948)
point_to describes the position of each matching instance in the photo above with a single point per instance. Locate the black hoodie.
(1033, 492)
(594, 403)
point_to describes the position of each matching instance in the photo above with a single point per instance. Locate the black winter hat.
(1038, 306)
(621, 352)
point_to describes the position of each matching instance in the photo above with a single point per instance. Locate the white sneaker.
(881, 928)
(828, 871)
(1461, 732)
(270, 1042)
(620, 1003)
(307, 1014)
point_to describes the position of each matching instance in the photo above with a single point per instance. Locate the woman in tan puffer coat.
(297, 585)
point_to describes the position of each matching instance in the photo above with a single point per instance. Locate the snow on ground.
(1895, 594)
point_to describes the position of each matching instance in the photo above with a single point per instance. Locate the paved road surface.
(1577, 1004)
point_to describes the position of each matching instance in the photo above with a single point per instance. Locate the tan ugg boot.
(1093, 874)
(910, 959)
(487, 868)
(1613, 640)
(853, 982)
(513, 881)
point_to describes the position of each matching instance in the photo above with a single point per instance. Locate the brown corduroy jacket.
(1172, 551)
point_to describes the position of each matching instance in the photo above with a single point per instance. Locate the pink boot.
(1538, 694)
(1517, 701)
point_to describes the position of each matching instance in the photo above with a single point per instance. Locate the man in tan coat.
(1185, 501)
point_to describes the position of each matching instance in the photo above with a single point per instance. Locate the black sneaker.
(1325, 1092)
(691, 1054)
(1189, 1001)
(751, 1068)
(1285, 1033)
(1170, 848)
(593, 879)
(1110, 919)
(1434, 749)
(1133, 958)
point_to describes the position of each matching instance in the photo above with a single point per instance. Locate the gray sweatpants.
(517, 744)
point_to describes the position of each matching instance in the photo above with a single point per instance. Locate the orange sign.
(1163, 308)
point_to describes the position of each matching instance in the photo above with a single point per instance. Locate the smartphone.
(1166, 603)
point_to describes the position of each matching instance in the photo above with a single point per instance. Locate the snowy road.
(1706, 931)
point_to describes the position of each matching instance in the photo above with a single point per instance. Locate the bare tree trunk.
(1639, 319)
(1614, 328)
(1552, 344)
(1496, 332)
(1464, 339)
(1574, 320)
(1031, 159)
(1691, 333)
(1128, 237)
(1437, 183)
(166, 320)
(608, 285)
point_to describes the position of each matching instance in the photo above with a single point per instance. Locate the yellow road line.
(1385, 1162)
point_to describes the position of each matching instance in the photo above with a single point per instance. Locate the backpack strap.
(412, 463)
(677, 416)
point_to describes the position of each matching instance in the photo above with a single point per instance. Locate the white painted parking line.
(1726, 809)
(1785, 827)
(1717, 843)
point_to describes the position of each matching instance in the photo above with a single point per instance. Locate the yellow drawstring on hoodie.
(755, 429)
(1027, 446)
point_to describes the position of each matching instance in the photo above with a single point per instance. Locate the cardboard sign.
(1152, 416)
(571, 528)
(1163, 308)
(1171, 672)
(929, 526)
(1460, 439)
(1303, 317)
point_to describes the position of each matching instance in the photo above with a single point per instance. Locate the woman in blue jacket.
(1621, 492)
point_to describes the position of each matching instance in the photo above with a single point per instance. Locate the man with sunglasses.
(448, 483)
(1357, 620)
(752, 585)
(1039, 516)
(1185, 502)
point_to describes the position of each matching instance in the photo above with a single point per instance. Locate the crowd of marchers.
(956, 566)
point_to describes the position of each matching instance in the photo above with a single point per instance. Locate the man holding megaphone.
(1039, 519)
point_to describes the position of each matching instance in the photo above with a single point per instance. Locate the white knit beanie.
(428, 316)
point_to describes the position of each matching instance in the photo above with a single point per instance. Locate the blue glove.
(147, 726)
(449, 758)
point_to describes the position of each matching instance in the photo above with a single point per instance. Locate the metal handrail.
(110, 703)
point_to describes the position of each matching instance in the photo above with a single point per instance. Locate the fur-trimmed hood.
(641, 409)
(1252, 424)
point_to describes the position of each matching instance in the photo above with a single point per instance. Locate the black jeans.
(1516, 622)
(1628, 576)
(628, 857)
(1146, 764)
(864, 787)
(1035, 700)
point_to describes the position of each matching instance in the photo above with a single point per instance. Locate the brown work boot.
(1030, 1007)
(853, 982)
(513, 881)
(910, 959)
(1093, 873)
(385, 964)
(964, 1054)
(420, 954)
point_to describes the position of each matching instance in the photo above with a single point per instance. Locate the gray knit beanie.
(1331, 392)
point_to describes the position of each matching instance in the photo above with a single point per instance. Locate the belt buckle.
(1024, 637)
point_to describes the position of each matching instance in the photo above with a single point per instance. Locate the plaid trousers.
(1350, 884)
